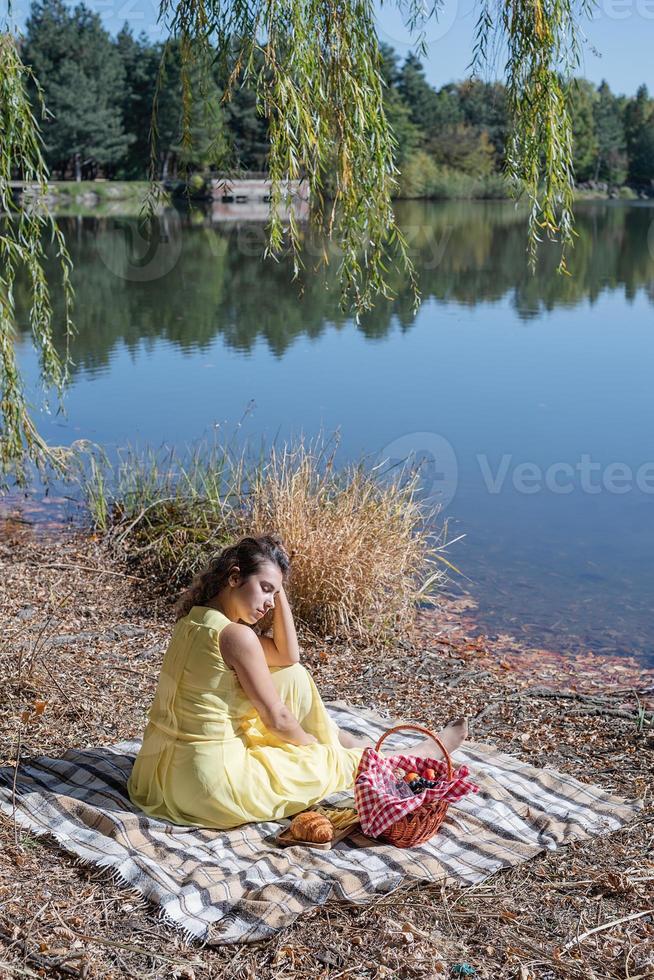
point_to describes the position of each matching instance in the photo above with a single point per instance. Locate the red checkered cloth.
(382, 797)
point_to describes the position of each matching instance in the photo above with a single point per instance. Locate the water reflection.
(197, 279)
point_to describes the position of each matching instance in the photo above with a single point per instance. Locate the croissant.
(312, 826)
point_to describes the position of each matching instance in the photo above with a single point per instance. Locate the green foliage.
(484, 107)
(464, 126)
(424, 177)
(22, 251)
(639, 132)
(244, 121)
(462, 149)
(140, 60)
(407, 134)
(428, 111)
(611, 159)
(581, 105)
(75, 56)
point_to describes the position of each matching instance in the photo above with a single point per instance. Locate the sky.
(618, 41)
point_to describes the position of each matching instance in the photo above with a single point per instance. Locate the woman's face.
(254, 596)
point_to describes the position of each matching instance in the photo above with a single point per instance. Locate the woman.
(237, 731)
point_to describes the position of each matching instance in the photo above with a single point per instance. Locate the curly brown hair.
(248, 554)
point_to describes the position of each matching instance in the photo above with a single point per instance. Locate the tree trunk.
(78, 167)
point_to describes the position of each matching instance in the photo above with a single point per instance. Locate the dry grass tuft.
(365, 548)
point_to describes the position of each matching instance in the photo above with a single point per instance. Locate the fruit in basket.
(411, 777)
(430, 774)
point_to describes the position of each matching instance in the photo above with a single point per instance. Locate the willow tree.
(23, 235)
(317, 74)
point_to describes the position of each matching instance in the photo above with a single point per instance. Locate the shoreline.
(113, 197)
(48, 516)
(94, 635)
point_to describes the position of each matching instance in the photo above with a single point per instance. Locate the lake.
(526, 399)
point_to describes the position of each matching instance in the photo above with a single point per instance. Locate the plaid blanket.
(238, 886)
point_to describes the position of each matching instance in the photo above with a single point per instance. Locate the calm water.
(527, 400)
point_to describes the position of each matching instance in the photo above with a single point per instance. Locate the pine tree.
(248, 131)
(407, 134)
(422, 100)
(611, 157)
(140, 59)
(582, 97)
(639, 131)
(190, 130)
(483, 105)
(74, 55)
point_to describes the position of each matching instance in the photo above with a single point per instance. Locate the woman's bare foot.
(451, 736)
(352, 742)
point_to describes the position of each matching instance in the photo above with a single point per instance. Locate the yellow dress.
(208, 760)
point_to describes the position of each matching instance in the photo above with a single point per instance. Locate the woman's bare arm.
(282, 649)
(242, 651)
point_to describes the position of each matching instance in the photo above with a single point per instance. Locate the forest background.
(99, 91)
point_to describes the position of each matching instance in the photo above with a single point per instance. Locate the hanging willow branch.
(315, 67)
(541, 40)
(22, 235)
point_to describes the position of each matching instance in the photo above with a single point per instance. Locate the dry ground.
(86, 639)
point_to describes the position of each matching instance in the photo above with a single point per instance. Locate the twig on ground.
(606, 925)
(19, 971)
(80, 714)
(98, 571)
(41, 638)
(44, 962)
(489, 709)
(614, 712)
(133, 948)
(15, 780)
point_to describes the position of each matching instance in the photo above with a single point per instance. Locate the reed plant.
(363, 543)
(366, 549)
(164, 510)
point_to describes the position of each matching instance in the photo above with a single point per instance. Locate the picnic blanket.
(238, 886)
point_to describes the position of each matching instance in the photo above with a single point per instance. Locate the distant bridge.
(249, 199)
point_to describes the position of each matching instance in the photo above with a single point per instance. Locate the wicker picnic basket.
(423, 823)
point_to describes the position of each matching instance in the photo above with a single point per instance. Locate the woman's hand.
(285, 647)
